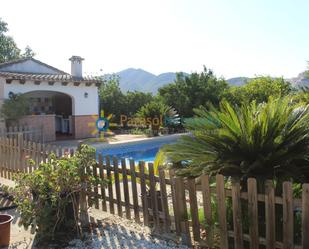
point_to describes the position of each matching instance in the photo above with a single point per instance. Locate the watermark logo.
(140, 121)
(100, 124)
(170, 118)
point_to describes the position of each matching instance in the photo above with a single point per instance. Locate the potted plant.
(5, 229)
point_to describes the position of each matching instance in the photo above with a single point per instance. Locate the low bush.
(48, 197)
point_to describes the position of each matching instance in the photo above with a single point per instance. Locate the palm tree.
(159, 112)
(265, 141)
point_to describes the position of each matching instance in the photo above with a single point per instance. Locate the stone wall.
(46, 122)
(81, 127)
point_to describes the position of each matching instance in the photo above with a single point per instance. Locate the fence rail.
(209, 211)
(15, 152)
(28, 133)
(206, 211)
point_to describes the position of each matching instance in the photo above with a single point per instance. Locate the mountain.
(300, 80)
(132, 79)
(238, 81)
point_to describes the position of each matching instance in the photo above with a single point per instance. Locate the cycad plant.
(269, 140)
(160, 111)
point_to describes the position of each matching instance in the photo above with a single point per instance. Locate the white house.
(62, 104)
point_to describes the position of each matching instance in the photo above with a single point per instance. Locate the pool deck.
(117, 139)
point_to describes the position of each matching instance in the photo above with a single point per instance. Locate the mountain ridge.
(137, 79)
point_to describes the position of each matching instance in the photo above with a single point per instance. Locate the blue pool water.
(147, 155)
(145, 150)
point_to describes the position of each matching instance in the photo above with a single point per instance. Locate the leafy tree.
(192, 91)
(8, 48)
(154, 110)
(259, 90)
(14, 108)
(135, 100)
(29, 53)
(265, 141)
(112, 100)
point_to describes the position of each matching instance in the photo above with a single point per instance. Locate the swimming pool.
(144, 150)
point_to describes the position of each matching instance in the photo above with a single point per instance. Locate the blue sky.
(232, 37)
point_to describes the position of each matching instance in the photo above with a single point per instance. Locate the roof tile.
(47, 77)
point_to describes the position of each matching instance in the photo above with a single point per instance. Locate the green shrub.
(15, 107)
(265, 141)
(48, 197)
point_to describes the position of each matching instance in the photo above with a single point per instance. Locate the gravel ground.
(114, 232)
(110, 232)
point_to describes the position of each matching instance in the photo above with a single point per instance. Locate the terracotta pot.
(5, 229)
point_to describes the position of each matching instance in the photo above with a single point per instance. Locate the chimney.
(76, 66)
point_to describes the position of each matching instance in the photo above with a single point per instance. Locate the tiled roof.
(50, 77)
(5, 64)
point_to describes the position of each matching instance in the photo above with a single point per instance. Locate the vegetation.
(258, 90)
(198, 90)
(268, 140)
(8, 48)
(113, 101)
(302, 95)
(14, 108)
(48, 197)
(154, 112)
(193, 91)
(135, 100)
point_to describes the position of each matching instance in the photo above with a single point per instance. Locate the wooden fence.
(15, 152)
(28, 133)
(215, 212)
(206, 211)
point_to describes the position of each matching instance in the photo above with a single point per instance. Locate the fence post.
(20, 143)
(84, 218)
(288, 216)
(220, 191)
(305, 216)
(207, 209)
(253, 213)
(42, 134)
(270, 216)
(175, 209)
(180, 198)
(194, 210)
(237, 217)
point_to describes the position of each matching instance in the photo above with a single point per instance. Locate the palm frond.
(251, 140)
